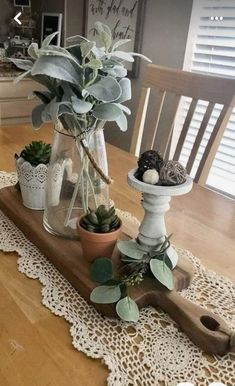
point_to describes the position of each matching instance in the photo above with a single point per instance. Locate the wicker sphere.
(172, 173)
(151, 176)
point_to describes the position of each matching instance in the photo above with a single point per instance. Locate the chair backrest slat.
(199, 136)
(140, 121)
(213, 89)
(213, 144)
(185, 128)
(157, 114)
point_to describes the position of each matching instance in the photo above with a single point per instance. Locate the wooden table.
(36, 347)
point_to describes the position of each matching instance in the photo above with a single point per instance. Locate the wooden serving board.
(201, 326)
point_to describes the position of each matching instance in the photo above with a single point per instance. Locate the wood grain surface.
(36, 346)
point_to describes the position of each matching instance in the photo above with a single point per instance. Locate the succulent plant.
(101, 220)
(37, 152)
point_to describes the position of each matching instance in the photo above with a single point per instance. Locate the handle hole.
(209, 322)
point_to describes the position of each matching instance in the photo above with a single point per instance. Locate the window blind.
(211, 49)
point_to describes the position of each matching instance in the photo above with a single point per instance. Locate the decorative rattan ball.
(172, 173)
(150, 159)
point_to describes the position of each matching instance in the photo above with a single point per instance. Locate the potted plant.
(32, 168)
(87, 86)
(99, 230)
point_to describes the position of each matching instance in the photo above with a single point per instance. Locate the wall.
(6, 13)
(165, 31)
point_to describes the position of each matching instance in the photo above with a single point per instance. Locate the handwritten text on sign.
(119, 15)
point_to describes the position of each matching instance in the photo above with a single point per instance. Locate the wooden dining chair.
(213, 89)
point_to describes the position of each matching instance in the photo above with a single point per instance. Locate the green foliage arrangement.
(138, 263)
(86, 84)
(101, 220)
(37, 152)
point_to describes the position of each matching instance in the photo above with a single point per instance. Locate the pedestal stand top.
(159, 190)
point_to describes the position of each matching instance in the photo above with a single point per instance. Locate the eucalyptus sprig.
(138, 262)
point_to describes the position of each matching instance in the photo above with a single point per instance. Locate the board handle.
(205, 329)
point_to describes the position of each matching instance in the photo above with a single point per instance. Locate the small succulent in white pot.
(32, 169)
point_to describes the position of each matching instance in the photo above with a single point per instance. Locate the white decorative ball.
(151, 176)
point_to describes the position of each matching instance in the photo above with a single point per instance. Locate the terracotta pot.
(95, 245)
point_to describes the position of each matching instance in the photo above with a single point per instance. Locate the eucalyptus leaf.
(107, 89)
(127, 309)
(98, 52)
(123, 55)
(86, 48)
(120, 43)
(140, 56)
(107, 112)
(166, 259)
(107, 40)
(33, 50)
(105, 34)
(37, 120)
(21, 76)
(80, 106)
(118, 71)
(125, 85)
(95, 64)
(162, 273)
(23, 64)
(58, 51)
(131, 249)
(49, 38)
(102, 270)
(44, 96)
(105, 294)
(123, 108)
(55, 67)
(121, 121)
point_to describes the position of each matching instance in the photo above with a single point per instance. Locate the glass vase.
(73, 183)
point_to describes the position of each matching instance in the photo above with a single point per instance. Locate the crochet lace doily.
(150, 352)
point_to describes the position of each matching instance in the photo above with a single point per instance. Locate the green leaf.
(106, 90)
(140, 56)
(128, 310)
(95, 64)
(102, 270)
(21, 76)
(123, 108)
(105, 294)
(121, 121)
(107, 112)
(162, 273)
(120, 43)
(105, 34)
(33, 50)
(123, 55)
(86, 48)
(80, 106)
(49, 38)
(118, 71)
(44, 96)
(163, 257)
(23, 64)
(131, 249)
(55, 67)
(37, 120)
(125, 85)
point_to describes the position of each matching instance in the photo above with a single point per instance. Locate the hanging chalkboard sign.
(124, 18)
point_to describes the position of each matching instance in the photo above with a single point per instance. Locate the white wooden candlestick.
(155, 202)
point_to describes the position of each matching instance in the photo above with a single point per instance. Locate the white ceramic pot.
(32, 181)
